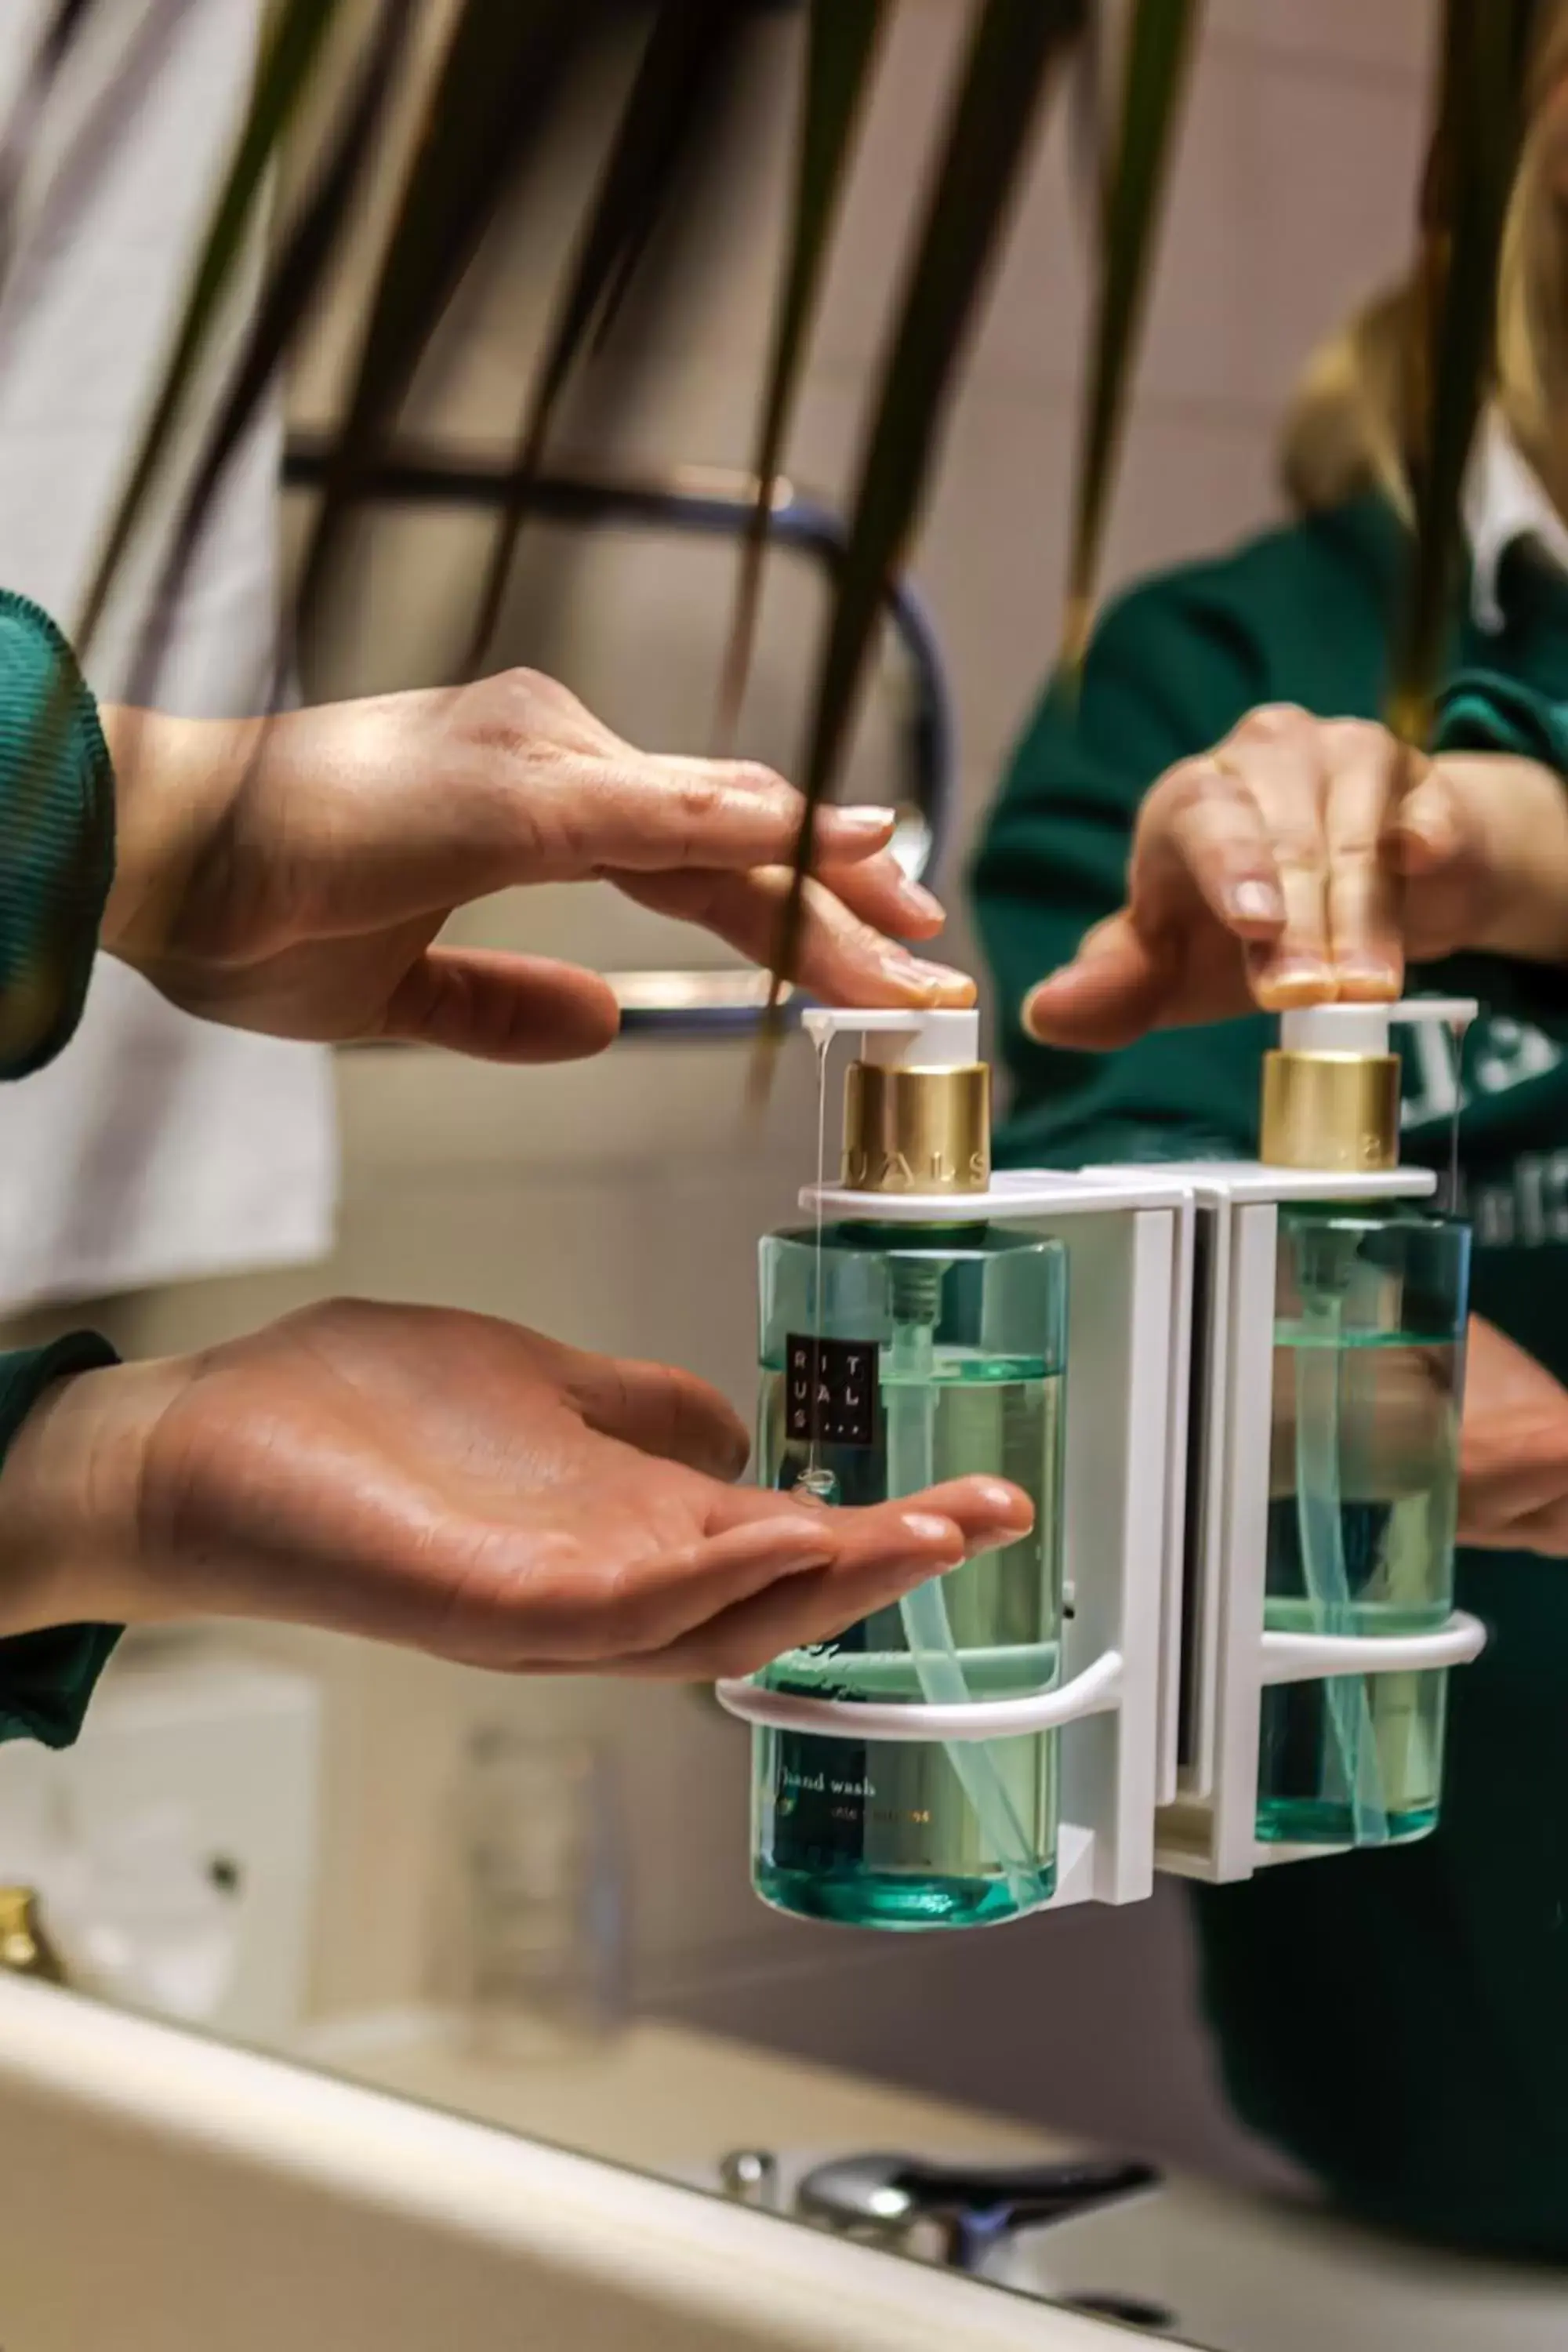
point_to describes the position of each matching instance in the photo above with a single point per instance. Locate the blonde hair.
(1347, 428)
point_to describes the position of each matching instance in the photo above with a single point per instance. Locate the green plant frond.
(287, 294)
(1483, 61)
(841, 46)
(1014, 53)
(1160, 45)
(66, 22)
(291, 51)
(689, 48)
(492, 99)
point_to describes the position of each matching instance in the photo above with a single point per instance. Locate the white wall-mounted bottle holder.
(1229, 1659)
(1165, 1654)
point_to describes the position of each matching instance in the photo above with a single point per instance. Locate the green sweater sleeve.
(56, 859)
(56, 837)
(1167, 674)
(47, 1678)
(1482, 710)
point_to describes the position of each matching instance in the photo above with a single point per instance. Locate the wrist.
(174, 780)
(72, 1540)
(1521, 821)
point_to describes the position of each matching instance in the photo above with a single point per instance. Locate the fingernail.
(926, 1528)
(1037, 1003)
(997, 1496)
(937, 982)
(1299, 982)
(1367, 978)
(922, 902)
(1256, 902)
(864, 824)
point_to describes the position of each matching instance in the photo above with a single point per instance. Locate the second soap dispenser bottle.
(1370, 1307)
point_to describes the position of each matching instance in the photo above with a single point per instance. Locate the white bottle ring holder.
(1097, 1690)
(1318, 1657)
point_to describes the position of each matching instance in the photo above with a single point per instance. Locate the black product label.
(832, 1391)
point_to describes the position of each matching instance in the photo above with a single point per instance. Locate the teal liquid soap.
(1368, 1381)
(922, 1356)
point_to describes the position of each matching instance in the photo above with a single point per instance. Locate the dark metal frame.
(707, 504)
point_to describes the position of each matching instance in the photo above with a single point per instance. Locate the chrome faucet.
(967, 2209)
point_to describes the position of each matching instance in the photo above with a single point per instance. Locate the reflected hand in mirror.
(454, 1484)
(1513, 1459)
(293, 874)
(1303, 860)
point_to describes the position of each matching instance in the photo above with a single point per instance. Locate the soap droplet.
(819, 1484)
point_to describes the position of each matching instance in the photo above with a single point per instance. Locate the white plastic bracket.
(1317, 1657)
(1095, 1690)
(1210, 1829)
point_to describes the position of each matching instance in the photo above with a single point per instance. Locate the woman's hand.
(292, 876)
(1513, 1473)
(1306, 859)
(456, 1485)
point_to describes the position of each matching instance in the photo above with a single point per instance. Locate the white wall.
(619, 1203)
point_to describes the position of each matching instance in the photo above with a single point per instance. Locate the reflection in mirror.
(1197, 2093)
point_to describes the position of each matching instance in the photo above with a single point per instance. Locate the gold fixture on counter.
(24, 1946)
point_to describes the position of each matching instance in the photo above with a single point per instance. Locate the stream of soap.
(815, 1478)
(1459, 1030)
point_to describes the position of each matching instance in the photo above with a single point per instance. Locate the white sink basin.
(1237, 2274)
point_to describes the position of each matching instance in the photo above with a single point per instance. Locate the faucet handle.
(27, 1948)
(749, 2176)
(973, 2206)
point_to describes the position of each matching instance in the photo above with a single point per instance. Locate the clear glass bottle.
(893, 1356)
(542, 1863)
(1369, 1339)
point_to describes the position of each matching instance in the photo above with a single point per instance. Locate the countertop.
(661, 2097)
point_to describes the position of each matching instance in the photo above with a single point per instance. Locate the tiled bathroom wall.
(618, 1203)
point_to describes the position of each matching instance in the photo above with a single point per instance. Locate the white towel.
(156, 1147)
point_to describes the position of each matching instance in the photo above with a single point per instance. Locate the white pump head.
(1363, 1029)
(900, 1038)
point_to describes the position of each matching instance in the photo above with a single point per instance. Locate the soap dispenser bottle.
(907, 1343)
(1371, 1304)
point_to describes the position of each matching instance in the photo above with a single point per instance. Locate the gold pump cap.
(917, 1101)
(1330, 1089)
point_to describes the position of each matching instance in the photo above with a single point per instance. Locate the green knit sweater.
(1398, 2023)
(56, 859)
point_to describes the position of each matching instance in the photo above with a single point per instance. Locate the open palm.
(459, 1484)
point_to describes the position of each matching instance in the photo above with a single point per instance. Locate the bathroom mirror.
(528, 1903)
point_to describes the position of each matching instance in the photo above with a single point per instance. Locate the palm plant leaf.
(1014, 51)
(1154, 73)
(292, 50)
(1483, 58)
(65, 20)
(684, 58)
(77, 173)
(502, 69)
(290, 288)
(842, 40)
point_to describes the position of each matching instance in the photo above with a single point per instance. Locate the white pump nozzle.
(1363, 1029)
(899, 1037)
